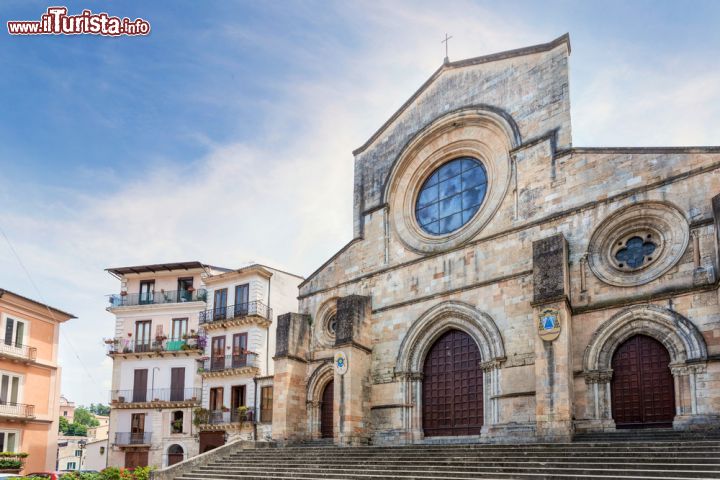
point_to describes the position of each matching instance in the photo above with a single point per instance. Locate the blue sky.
(226, 135)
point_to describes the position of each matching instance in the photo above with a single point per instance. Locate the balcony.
(234, 312)
(15, 351)
(155, 397)
(172, 346)
(12, 410)
(157, 298)
(131, 438)
(220, 417)
(237, 364)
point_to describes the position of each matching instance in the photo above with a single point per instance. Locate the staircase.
(622, 455)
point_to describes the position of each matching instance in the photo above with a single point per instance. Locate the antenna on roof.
(446, 41)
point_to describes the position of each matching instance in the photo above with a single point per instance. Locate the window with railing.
(222, 312)
(152, 297)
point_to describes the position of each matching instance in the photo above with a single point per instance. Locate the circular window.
(451, 196)
(638, 244)
(332, 324)
(635, 251)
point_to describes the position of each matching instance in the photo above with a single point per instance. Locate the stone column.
(553, 346)
(599, 412)
(352, 390)
(289, 384)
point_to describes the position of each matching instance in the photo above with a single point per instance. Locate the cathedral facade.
(503, 285)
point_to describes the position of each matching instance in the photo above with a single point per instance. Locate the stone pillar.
(289, 384)
(352, 390)
(553, 345)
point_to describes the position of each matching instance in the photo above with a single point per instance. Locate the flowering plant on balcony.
(160, 338)
(111, 341)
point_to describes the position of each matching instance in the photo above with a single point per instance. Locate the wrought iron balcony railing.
(12, 409)
(153, 298)
(130, 345)
(219, 417)
(239, 310)
(132, 438)
(20, 351)
(218, 363)
(156, 395)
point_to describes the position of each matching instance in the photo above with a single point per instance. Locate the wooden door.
(142, 335)
(239, 349)
(326, 411)
(137, 428)
(176, 454)
(217, 362)
(210, 440)
(220, 304)
(140, 385)
(242, 294)
(134, 459)
(453, 387)
(643, 391)
(177, 384)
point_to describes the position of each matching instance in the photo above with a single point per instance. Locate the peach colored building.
(29, 379)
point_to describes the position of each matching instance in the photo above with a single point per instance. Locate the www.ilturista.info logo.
(57, 22)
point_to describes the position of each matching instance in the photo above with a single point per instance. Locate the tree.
(64, 424)
(84, 417)
(99, 409)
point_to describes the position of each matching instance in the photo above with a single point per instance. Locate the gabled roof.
(161, 267)
(68, 315)
(493, 57)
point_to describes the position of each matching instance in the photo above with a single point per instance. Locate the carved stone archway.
(682, 339)
(420, 338)
(322, 375)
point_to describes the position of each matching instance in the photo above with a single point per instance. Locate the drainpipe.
(257, 410)
(267, 335)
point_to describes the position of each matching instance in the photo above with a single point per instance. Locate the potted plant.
(191, 289)
(225, 408)
(200, 416)
(177, 426)
(123, 293)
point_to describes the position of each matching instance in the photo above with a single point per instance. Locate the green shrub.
(9, 464)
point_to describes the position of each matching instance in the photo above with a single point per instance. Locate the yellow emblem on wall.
(549, 324)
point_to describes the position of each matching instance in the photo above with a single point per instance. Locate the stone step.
(341, 474)
(478, 466)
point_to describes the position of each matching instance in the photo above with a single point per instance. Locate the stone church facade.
(503, 285)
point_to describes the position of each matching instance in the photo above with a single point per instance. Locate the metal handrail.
(18, 350)
(17, 409)
(130, 345)
(217, 363)
(239, 310)
(153, 298)
(132, 438)
(218, 417)
(156, 395)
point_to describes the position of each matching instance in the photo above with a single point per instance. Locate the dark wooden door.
(177, 384)
(239, 349)
(326, 411)
(176, 454)
(643, 391)
(140, 385)
(217, 361)
(210, 440)
(453, 387)
(137, 429)
(134, 459)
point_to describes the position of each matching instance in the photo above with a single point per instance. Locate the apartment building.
(29, 379)
(155, 349)
(237, 370)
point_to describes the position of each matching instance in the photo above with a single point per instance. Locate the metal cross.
(447, 58)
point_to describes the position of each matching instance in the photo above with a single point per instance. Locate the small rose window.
(635, 252)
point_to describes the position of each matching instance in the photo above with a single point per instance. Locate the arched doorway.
(176, 454)
(326, 411)
(643, 392)
(452, 390)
